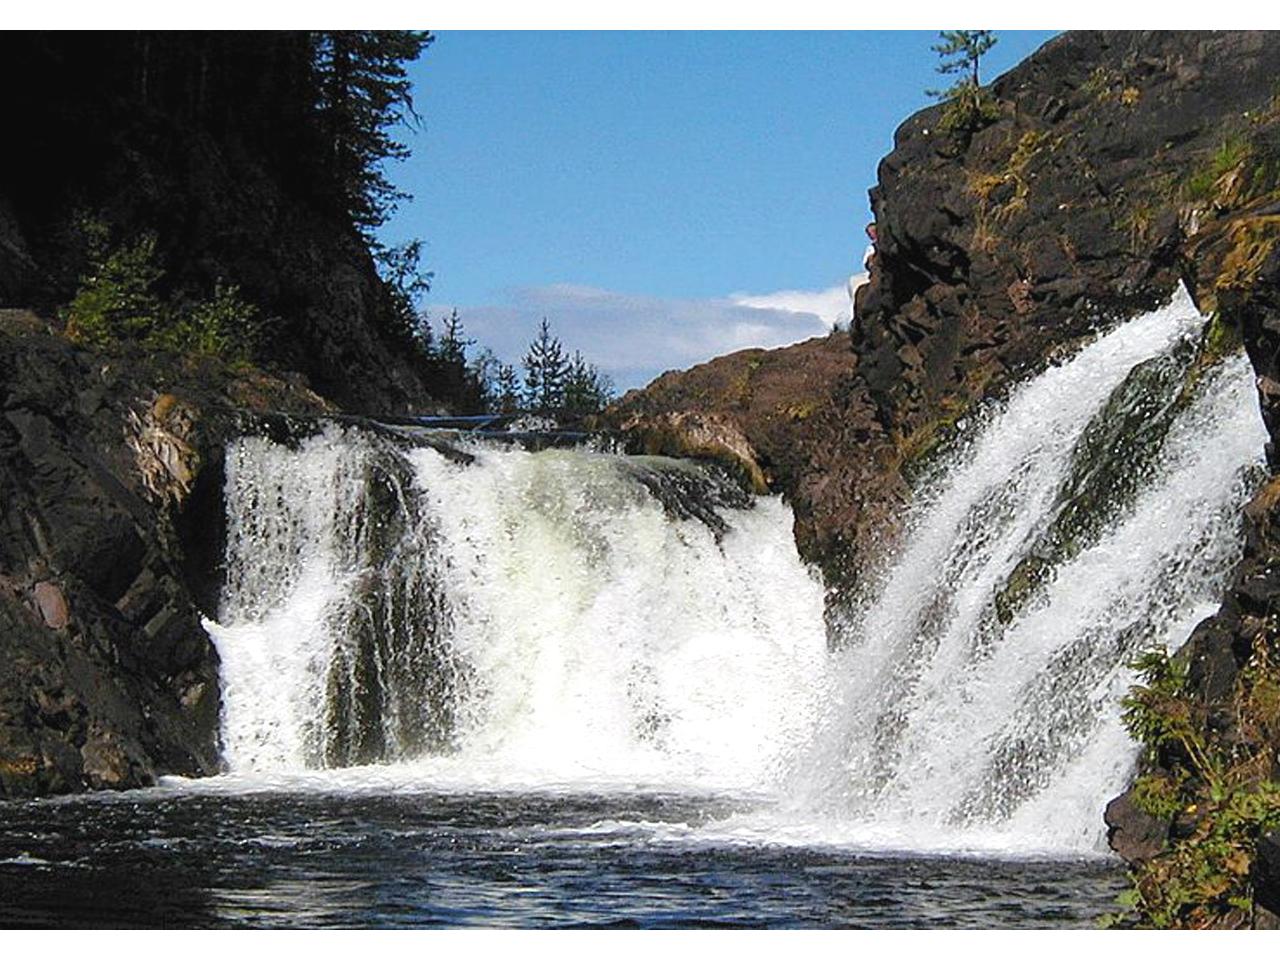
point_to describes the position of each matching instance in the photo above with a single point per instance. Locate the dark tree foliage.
(142, 130)
(364, 97)
(965, 49)
(406, 283)
(586, 389)
(555, 383)
(255, 160)
(545, 369)
(453, 344)
(506, 392)
(466, 384)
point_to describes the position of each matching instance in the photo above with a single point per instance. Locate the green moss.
(1100, 84)
(1137, 222)
(801, 411)
(984, 184)
(1109, 464)
(920, 448)
(1206, 182)
(1020, 585)
(1252, 241)
(1220, 339)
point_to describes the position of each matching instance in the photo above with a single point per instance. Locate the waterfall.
(585, 619)
(1092, 516)
(558, 616)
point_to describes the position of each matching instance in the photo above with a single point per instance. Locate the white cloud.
(831, 305)
(634, 338)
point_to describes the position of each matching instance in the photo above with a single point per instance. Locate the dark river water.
(171, 859)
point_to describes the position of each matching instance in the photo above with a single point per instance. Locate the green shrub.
(969, 108)
(224, 326)
(117, 302)
(1217, 788)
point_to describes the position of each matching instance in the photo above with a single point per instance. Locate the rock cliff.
(209, 142)
(996, 247)
(110, 486)
(110, 479)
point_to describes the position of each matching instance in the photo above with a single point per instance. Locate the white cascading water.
(953, 730)
(577, 619)
(586, 630)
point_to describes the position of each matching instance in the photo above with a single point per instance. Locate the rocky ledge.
(111, 494)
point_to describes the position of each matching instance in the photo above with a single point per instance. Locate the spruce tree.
(586, 390)
(453, 345)
(483, 372)
(507, 392)
(364, 95)
(545, 371)
(961, 52)
(400, 269)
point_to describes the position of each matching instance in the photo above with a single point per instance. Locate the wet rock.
(783, 419)
(106, 674)
(111, 763)
(1135, 835)
(700, 436)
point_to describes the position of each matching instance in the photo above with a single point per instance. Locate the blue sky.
(636, 187)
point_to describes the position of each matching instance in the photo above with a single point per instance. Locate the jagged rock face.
(998, 244)
(996, 249)
(1266, 883)
(785, 420)
(109, 492)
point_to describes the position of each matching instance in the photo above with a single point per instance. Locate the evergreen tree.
(483, 372)
(453, 345)
(400, 269)
(507, 390)
(961, 52)
(586, 390)
(364, 95)
(424, 337)
(545, 371)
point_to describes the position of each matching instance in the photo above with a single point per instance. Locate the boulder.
(1135, 835)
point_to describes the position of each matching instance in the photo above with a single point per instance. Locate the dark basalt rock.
(1135, 835)
(1265, 877)
(110, 512)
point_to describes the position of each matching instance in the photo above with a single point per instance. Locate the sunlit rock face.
(998, 250)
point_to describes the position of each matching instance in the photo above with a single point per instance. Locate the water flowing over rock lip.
(522, 744)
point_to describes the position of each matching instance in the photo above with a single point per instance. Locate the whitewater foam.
(579, 621)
